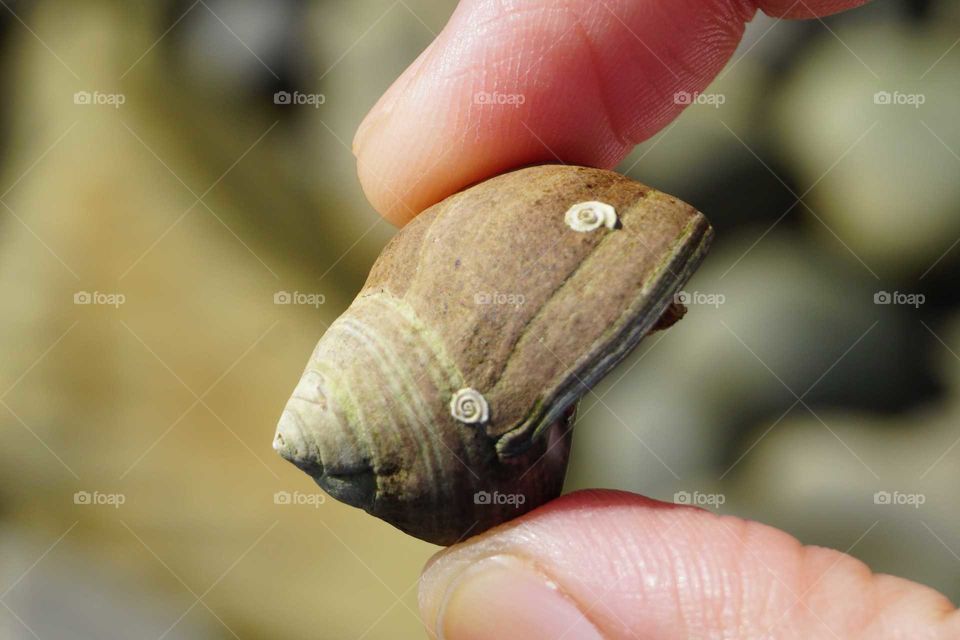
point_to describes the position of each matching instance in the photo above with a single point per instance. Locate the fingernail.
(506, 597)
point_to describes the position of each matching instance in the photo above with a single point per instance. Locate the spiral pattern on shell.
(469, 406)
(589, 216)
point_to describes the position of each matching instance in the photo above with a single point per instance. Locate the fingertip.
(500, 88)
(511, 84)
(390, 158)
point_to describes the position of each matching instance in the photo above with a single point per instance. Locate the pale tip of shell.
(590, 216)
(469, 406)
(288, 440)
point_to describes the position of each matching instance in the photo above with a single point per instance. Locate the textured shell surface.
(443, 399)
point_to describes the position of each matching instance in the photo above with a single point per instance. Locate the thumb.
(605, 564)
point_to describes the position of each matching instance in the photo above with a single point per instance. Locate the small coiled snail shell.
(443, 399)
(590, 216)
(469, 407)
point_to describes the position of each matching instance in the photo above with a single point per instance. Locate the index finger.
(512, 83)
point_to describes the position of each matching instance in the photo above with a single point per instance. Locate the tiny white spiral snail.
(420, 402)
(590, 216)
(469, 406)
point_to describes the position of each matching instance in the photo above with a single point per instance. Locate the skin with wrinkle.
(639, 568)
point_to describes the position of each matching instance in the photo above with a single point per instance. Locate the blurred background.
(155, 198)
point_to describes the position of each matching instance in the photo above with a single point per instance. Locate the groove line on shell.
(560, 285)
(524, 333)
(405, 394)
(589, 377)
(408, 396)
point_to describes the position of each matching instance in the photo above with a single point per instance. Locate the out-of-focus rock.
(169, 396)
(870, 119)
(73, 593)
(766, 321)
(862, 483)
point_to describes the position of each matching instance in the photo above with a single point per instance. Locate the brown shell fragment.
(490, 292)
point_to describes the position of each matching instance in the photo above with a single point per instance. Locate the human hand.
(596, 78)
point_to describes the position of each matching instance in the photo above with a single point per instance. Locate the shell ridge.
(468, 235)
(402, 386)
(587, 374)
(429, 240)
(588, 259)
(442, 373)
(340, 389)
(560, 285)
(436, 346)
(390, 401)
(445, 386)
